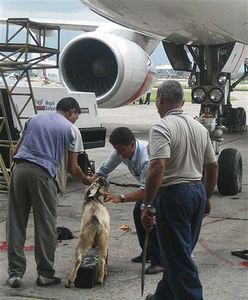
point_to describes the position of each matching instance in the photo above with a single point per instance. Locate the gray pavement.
(224, 277)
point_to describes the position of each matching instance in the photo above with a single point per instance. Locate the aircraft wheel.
(232, 119)
(236, 119)
(242, 118)
(230, 172)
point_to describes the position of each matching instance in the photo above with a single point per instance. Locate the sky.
(62, 10)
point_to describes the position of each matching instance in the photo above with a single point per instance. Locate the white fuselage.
(197, 22)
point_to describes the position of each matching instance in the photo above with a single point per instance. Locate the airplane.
(110, 61)
(114, 60)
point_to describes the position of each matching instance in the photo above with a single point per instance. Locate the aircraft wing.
(84, 26)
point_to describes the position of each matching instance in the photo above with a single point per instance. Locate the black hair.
(121, 136)
(68, 103)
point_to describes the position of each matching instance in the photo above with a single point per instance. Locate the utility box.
(87, 275)
(46, 99)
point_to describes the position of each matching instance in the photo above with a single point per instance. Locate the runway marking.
(230, 217)
(244, 264)
(213, 253)
(201, 240)
(234, 139)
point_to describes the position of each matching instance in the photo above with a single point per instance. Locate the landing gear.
(211, 88)
(211, 83)
(230, 172)
(236, 119)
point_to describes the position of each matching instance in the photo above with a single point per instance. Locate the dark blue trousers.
(153, 247)
(179, 218)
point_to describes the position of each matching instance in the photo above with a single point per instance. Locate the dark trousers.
(153, 247)
(148, 96)
(179, 218)
(31, 187)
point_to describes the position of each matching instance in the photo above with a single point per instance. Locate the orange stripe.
(138, 92)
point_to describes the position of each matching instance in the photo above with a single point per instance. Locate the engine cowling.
(117, 70)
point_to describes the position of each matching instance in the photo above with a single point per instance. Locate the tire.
(230, 172)
(242, 116)
(233, 119)
(236, 119)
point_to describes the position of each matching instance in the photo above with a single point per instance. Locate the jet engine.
(117, 70)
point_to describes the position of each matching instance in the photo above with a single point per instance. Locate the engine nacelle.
(117, 70)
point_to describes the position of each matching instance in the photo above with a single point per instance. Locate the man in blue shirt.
(48, 148)
(133, 153)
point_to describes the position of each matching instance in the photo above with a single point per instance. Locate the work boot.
(138, 259)
(151, 297)
(14, 281)
(154, 269)
(44, 281)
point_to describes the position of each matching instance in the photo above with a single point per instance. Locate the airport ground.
(224, 277)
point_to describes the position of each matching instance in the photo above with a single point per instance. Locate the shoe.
(138, 259)
(151, 297)
(44, 281)
(14, 281)
(154, 269)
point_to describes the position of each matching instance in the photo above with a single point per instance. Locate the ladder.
(4, 125)
(16, 56)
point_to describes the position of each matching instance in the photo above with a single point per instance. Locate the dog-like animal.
(94, 230)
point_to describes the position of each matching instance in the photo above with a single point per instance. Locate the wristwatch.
(122, 198)
(143, 206)
(151, 209)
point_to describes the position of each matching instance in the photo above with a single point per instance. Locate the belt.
(20, 160)
(178, 186)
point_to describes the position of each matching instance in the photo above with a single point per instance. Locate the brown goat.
(94, 230)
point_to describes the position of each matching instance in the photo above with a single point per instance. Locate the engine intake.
(117, 70)
(90, 66)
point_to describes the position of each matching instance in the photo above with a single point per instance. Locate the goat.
(94, 229)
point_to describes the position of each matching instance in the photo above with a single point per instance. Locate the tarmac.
(224, 277)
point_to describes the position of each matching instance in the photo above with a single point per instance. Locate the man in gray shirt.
(180, 150)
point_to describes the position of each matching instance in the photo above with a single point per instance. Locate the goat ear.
(101, 198)
(92, 190)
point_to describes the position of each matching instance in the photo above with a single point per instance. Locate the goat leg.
(102, 253)
(74, 270)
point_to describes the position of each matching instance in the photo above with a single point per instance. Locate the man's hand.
(112, 198)
(147, 221)
(90, 179)
(207, 208)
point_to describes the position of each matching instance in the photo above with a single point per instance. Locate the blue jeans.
(179, 218)
(153, 247)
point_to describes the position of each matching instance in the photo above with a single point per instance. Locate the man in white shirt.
(133, 153)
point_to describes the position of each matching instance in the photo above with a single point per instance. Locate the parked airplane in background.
(48, 75)
(114, 60)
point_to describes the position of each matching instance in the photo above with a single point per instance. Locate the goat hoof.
(68, 284)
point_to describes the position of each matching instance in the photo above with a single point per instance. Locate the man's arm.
(108, 166)
(129, 197)
(135, 195)
(75, 170)
(154, 179)
(153, 182)
(95, 176)
(209, 181)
